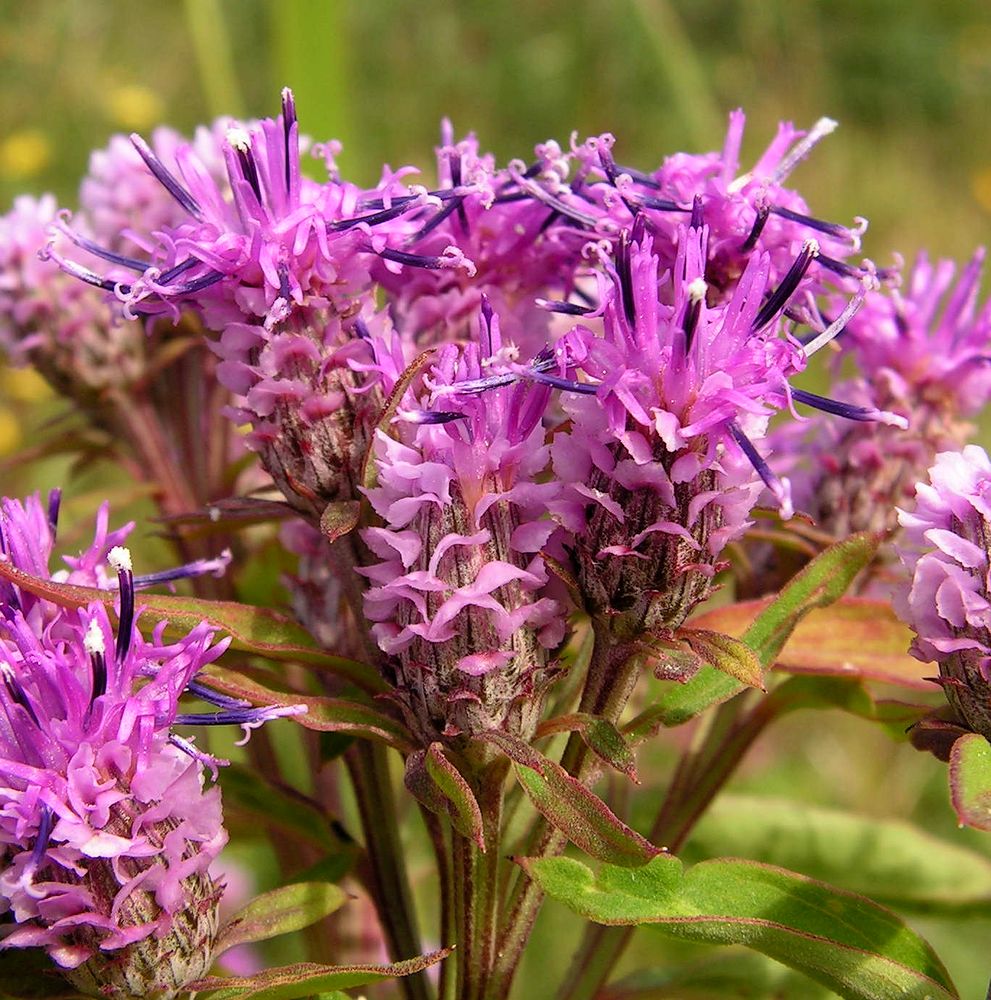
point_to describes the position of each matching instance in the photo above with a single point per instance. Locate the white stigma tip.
(119, 558)
(239, 138)
(93, 640)
(811, 246)
(697, 289)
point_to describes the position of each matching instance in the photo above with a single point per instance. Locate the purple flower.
(265, 241)
(106, 827)
(659, 460)
(459, 597)
(746, 213)
(313, 392)
(948, 604)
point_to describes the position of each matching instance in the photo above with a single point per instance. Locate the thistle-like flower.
(460, 596)
(945, 545)
(659, 459)
(106, 826)
(922, 355)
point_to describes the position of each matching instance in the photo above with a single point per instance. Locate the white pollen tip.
(93, 640)
(697, 289)
(238, 137)
(119, 558)
(812, 247)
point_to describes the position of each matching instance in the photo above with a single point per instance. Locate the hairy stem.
(368, 767)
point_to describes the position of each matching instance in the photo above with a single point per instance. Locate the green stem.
(369, 770)
(612, 676)
(701, 774)
(477, 889)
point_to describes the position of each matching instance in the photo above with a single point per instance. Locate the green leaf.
(855, 947)
(970, 780)
(856, 636)
(335, 715)
(739, 976)
(306, 979)
(441, 787)
(587, 821)
(249, 794)
(819, 584)
(600, 736)
(728, 655)
(252, 629)
(281, 911)
(889, 860)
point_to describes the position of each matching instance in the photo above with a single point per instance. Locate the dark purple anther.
(758, 227)
(697, 219)
(778, 489)
(777, 300)
(487, 314)
(15, 692)
(54, 503)
(567, 308)
(625, 276)
(834, 406)
(830, 228)
(120, 559)
(241, 144)
(288, 121)
(46, 820)
(165, 178)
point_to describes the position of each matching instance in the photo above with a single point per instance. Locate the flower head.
(659, 460)
(460, 596)
(107, 829)
(948, 604)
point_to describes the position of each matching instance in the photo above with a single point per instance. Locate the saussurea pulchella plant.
(514, 426)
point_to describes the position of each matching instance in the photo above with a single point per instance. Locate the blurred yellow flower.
(134, 106)
(24, 153)
(10, 431)
(23, 384)
(980, 187)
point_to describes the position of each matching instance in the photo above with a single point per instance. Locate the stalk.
(368, 766)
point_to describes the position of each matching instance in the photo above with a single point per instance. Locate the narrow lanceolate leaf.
(890, 860)
(441, 787)
(855, 637)
(369, 471)
(728, 655)
(306, 979)
(329, 715)
(600, 736)
(252, 629)
(580, 814)
(819, 584)
(281, 911)
(970, 780)
(850, 944)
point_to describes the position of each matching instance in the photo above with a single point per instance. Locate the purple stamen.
(125, 584)
(557, 382)
(640, 177)
(132, 263)
(167, 277)
(373, 219)
(830, 228)
(46, 820)
(758, 227)
(697, 220)
(98, 664)
(662, 204)
(777, 300)
(840, 267)
(625, 275)
(423, 417)
(15, 692)
(212, 697)
(288, 120)
(417, 260)
(567, 308)
(778, 489)
(54, 504)
(165, 178)
(438, 218)
(198, 567)
(552, 201)
(241, 144)
(839, 409)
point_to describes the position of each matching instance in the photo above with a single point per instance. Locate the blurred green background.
(908, 81)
